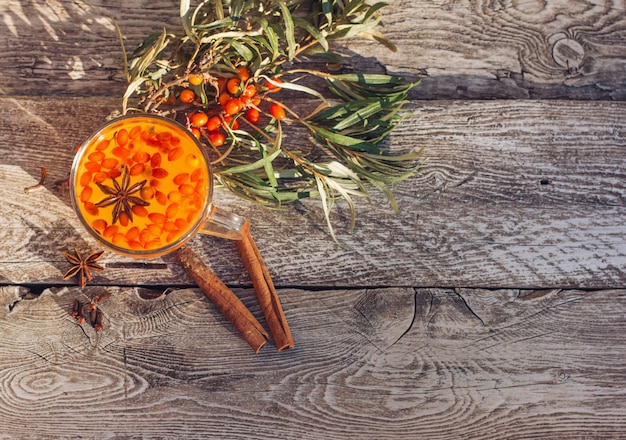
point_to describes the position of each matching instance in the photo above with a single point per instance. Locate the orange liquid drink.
(141, 185)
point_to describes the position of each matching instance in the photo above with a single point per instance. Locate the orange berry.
(249, 91)
(243, 73)
(160, 197)
(186, 189)
(214, 123)
(115, 173)
(99, 225)
(216, 138)
(154, 230)
(159, 173)
(171, 210)
(271, 86)
(153, 244)
(171, 236)
(195, 132)
(169, 226)
(137, 169)
(175, 153)
(85, 179)
(253, 115)
(157, 217)
(123, 219)
(85, 194)
(109, 163)
(118, 239)
(232, 85)
(195, 174)
(110, 231)
(121, 152)
(135, 132)
(122, 137)
(196, 79)
(102, 145)
(91, 208)
(199, 119)
(132, 233)
(135, 245)
(141, 157)
(96, 156)
(174, 196)
(92, 166)
(164, 136)
(179, 179)
(100, 177)
(277, 111)
(233, 106)
(155, 160)
(147, 193)
(139, 211)
(223, 99)
(180, 223)
(187, 96)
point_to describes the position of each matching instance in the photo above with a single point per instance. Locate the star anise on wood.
(82, 266)
(122, 196)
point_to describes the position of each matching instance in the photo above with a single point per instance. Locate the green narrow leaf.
(219, 9)
(132, 87)
(326, 205)
(289, 27)
(296, 87)
(346, 141)
(313, 31)
(370, 78)
(241, 49)
(382, 187)
(271, 36)
(336, 186)
(373, 9)
(327, 10)
(150, 53)
(226, 22)
(375, 34)
(269, 169)
(236, 8)
(185, 17)
(273, 154)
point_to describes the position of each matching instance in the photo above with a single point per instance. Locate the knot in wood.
(568, 53)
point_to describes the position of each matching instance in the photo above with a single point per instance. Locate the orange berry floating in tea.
(142, 183)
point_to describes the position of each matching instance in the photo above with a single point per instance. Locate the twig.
(40, 184)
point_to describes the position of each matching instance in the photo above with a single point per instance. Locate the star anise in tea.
(121, 195)
(83, 266)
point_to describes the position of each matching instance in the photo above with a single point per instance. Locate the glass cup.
(142, 186)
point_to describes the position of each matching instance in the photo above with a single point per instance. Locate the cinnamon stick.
(265, 290)
(224, 299)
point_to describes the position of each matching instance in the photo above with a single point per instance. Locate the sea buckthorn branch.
(228, 76)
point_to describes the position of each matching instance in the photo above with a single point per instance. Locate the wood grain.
(463, 49)
(379, 364)
(521, 194)
(484, 310)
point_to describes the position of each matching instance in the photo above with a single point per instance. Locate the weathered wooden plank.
(497, 49)
(516, 194)
(463, 49)
(379, 364)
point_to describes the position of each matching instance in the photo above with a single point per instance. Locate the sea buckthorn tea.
(141, 185)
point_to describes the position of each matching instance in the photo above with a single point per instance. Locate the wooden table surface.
(492, 307)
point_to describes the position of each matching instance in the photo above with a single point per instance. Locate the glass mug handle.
(224, 224)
